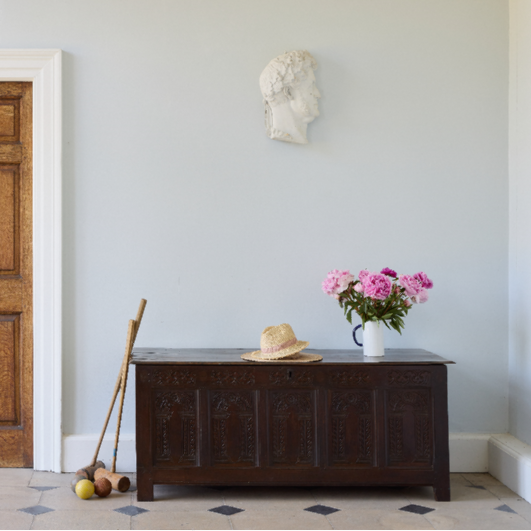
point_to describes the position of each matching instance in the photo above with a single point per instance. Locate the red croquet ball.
(102, 487)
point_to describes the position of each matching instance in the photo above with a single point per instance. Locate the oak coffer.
(205, 417)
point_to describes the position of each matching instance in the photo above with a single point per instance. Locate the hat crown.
(277, 342)
(277, 336)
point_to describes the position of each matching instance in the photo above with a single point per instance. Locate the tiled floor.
(43, 500)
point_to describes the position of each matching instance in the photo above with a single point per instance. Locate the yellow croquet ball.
(85, 489)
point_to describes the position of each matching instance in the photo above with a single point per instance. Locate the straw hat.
(280, 343)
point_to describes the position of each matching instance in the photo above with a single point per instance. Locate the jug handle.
(354, 336)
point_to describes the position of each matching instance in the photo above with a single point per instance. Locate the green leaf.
(396, 327)
(349, 316)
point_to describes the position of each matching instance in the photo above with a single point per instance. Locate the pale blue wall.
(520, 223)
(173, 192)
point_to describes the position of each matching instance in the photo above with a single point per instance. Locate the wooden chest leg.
(441, 492)
(144, 489)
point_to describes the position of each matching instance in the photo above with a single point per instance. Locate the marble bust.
(290, 96)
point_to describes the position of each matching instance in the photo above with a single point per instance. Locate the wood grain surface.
(233, 355)
(331, 423)
(16, 276)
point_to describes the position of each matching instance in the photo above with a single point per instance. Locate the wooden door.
(16, 276)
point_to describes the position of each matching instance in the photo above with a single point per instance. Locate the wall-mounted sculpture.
(290, 96)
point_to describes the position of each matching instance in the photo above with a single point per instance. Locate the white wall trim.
(78, 451)
(468, 452)
(510, 462)
(43, 68)
(502, 455)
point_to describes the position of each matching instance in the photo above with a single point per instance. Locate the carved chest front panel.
(335, 423)
(269, 421)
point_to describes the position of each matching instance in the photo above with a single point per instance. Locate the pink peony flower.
(329, 286)
(336, 282)
(421, 296)
(358, 287)
(410, 284)
(344, 279)
(377, 286)
(424, 280)
(407, 303)
(388, 272)
(363, 274)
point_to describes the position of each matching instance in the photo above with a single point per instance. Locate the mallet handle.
(118, 384)
(128, 349)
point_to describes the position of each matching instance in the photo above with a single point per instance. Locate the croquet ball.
(77, 478)
(85, 489)
(102, 487)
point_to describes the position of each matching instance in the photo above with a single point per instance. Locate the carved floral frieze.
(170, 378)
(411, 377)
(291, 377)
(350, 378)
(232, 378)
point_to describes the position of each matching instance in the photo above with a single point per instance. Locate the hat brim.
(299, 357)
(284, 353)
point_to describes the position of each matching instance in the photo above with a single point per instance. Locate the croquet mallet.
(119, 482)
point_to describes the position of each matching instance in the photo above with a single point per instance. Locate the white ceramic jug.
(373, 344)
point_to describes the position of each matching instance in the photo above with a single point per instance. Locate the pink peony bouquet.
(383, 296)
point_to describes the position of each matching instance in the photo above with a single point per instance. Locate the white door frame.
(43, 68)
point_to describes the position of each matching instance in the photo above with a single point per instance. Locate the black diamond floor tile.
(321, 509)
(505, 508)
(227, 510)
(416, 509)
(476, 487)
(131, 510)
(36, 509)
(44, 488)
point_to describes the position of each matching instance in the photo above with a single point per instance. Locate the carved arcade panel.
(176, 428)
(351, 428)
(409, 427)
(232, 428)
(292, 428)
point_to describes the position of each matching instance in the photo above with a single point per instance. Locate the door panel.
(9, 219)
(16, 276)
(9, 373)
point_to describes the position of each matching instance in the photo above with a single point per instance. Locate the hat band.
(270, 350)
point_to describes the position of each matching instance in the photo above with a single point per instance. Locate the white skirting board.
(78, 451)
(510, 462)
(468, 452)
